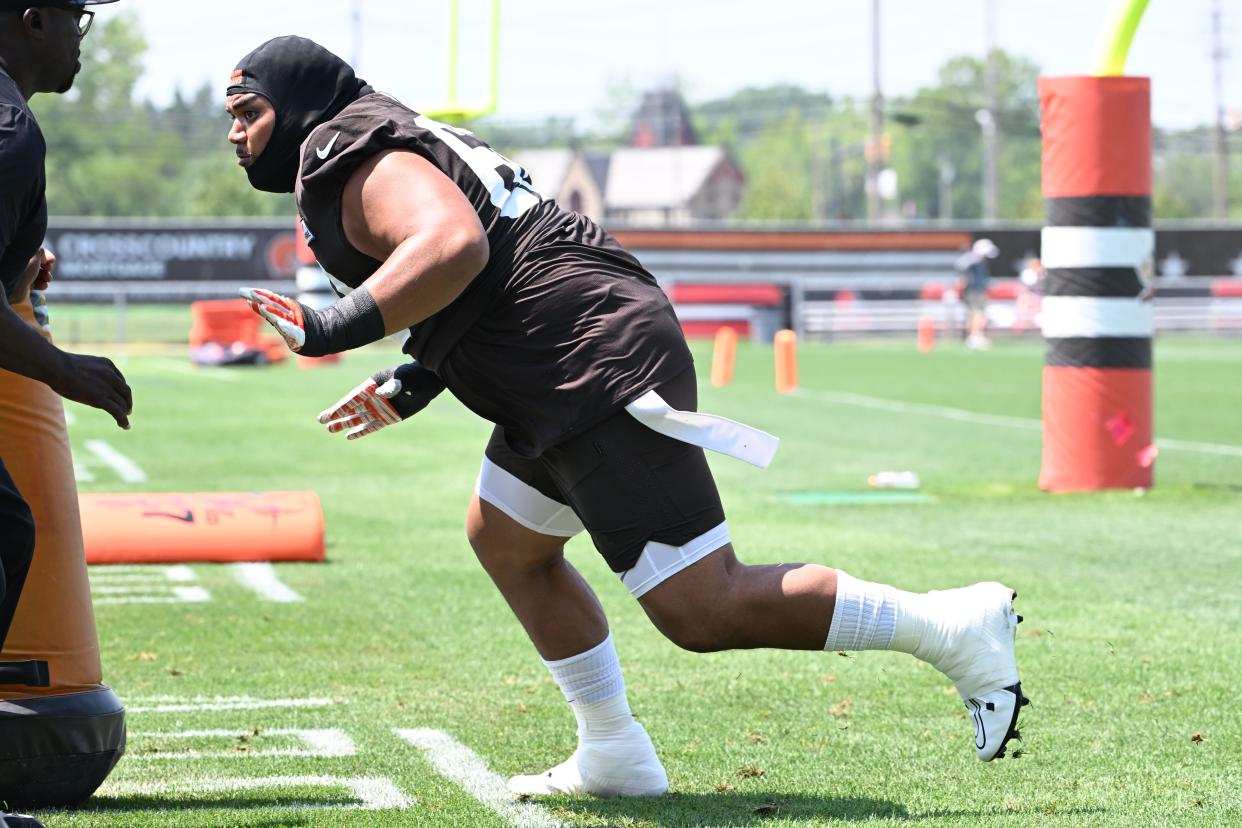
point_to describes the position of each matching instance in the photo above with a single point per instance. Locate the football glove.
(352, 322)
(287, 316)
(386, 398)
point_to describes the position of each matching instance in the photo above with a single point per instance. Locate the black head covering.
(307, 86)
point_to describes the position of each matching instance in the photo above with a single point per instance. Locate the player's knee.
(693, 625)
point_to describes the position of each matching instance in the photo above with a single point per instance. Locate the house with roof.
(664, 177)
(569, 177)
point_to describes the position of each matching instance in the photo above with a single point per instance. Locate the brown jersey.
(561, 328)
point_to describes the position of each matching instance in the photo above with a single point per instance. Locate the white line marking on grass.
(1202, 448)
(128, 589)
(81, 473)
(70, 417)
(324, 743)
(188, 704)
(98, 577)
(127, 469)
(180, 595)
(462, 765)
(371, 793)
(179, 572)
(945, 412)
(261, 577)
(965, 416)
(192, 595)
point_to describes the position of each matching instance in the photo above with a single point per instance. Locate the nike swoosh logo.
(981, 734)
(323, 152)
(188, 517)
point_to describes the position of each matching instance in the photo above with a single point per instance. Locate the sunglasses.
(84, 17)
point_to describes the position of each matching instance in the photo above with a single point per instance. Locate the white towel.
(705, 430)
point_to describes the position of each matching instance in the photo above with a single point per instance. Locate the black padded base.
(55, 751)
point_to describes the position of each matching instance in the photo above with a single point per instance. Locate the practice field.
(391, 686)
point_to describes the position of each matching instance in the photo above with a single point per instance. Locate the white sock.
(593, 686)
(871, 616)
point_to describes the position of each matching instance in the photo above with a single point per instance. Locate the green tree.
(801, 151)
(943, 135)
(109, 155)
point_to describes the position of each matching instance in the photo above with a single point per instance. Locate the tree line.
(803, 152)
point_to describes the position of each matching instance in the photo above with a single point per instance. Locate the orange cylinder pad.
(54, 620)
(202, 527)
(1097, 429)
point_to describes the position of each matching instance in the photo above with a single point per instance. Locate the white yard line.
(211, 704)
(127, 469)
(179, 595)
(98, 577)
(324, 743)
(371, 793)
(81, 473)
(261, 577)
(462, 765)
(129, 589)
(179, 572)
(1004, 421)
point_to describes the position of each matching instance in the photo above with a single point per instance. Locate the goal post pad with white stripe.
(1097, 246)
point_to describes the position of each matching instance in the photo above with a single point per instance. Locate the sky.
(562, 57)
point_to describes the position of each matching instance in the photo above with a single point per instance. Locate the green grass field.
(1131, 646)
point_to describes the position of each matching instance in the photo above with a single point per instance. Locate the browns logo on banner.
(1097, 315)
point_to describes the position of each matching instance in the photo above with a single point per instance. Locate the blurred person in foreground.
(40, 46)
(537, 320)
(976, 273)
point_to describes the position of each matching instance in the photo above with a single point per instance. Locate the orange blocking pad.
(227, 321)
(1097, 429)
(202, 527)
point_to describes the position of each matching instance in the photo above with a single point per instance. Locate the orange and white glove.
(355, 320)
(282, 313)
(385, 399)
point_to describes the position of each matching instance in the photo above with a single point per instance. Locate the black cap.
(307, 86)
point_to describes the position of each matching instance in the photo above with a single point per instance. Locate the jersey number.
(507, 184)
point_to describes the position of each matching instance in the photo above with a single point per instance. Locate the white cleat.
(606, 766)
(972, 644)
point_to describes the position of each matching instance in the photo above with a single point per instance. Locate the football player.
(537, 320)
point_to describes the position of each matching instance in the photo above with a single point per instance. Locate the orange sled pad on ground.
(202, 527)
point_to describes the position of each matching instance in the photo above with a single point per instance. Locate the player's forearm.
(23, 350)
(424, 275)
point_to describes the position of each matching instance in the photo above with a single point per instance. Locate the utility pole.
(836, 196)
(987, 118)
(947, 174)
(1221, 179)
(874, 161)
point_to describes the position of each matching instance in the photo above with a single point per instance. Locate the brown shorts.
(627, 485)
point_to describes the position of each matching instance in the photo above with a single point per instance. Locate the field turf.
(1130, 650)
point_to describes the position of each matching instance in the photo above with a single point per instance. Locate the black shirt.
(561, 328)
(23, 205)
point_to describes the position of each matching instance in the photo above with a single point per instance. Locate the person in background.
(975, 274)
(1031, 286)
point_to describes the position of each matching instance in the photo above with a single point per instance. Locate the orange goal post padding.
(216, 527)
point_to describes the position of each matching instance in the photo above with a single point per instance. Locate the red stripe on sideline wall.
(790, 240)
